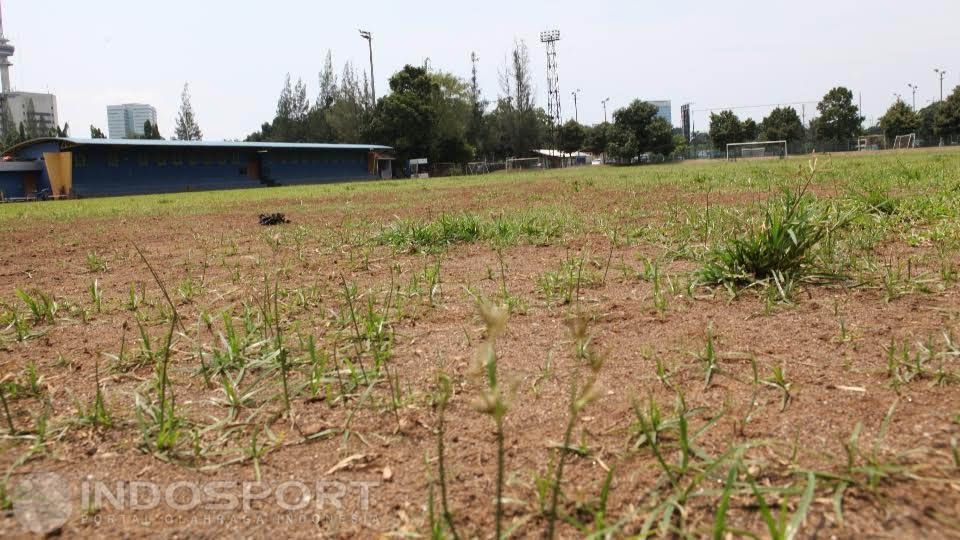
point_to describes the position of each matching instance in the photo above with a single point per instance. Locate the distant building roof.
(561, 154)
(70, 142)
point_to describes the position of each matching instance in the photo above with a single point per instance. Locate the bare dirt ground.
(368, 456)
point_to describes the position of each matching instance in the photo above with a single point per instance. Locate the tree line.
(839, 123)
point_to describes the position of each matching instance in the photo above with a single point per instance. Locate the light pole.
(942, 73)
(605, 110)
(576, 111)
(373, 86)
(913, 88)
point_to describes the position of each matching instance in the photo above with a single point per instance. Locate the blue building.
(664, 109)
(67, 167)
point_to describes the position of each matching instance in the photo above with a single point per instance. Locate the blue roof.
(70, 142)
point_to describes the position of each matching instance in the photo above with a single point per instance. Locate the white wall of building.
(45, 106)
(126, 121)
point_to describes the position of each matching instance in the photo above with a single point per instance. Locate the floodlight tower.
(6, 51)
(550, 38)
(373, 85)
(576, 110)
(942, 73)
(913, 88)
(605, 101)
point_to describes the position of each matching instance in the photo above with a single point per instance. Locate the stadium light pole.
(942, 73)
(605, 110)
(576, 110)
(373, 85)
(913, 88)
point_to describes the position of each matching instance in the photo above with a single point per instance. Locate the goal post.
(523, 164)
(757, 149)
(905, 141)
(871, 143)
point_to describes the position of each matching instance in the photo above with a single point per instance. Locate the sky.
(714, 54)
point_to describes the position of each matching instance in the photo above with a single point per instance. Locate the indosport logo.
(41, 502)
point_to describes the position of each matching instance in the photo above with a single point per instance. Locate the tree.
(186, 128)
(96, 133)
(328, 84)
(407, 116)
(840, 119)
(453, 109)
(782, 124)
(32, 121)
(899, 120)
(522, 128)
(623, 146)
(477, 131)
(572, 137)
(648, 132)
(7, 126)
(151, 131)
(725, 128)
(947, 123)
(928, 120)
(750, 130)
(598, 137)
(659, 138)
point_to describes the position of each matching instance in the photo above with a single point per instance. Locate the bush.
(780, 249)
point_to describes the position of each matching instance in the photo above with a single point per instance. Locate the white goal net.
(757, 150)
(523, 164)
(872, 143)
(905, 141)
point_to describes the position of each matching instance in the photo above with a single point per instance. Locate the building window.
(113, 158)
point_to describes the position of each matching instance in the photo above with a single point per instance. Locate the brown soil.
(836, 382)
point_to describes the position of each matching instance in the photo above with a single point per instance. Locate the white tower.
(6, 51)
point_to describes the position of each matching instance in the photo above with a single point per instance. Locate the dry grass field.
(759, 349)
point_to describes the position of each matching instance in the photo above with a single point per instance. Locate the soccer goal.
(871, 143)
(758, 149)
(523, 164)
(905, 141)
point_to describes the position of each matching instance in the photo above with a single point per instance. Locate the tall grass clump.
(781, 249)
(492, 400)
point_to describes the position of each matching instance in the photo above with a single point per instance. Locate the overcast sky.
(234, 54)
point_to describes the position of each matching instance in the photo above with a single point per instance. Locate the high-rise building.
(36, 112)
(664, 110)
(126, 121)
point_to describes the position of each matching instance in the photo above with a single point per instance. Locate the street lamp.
(576, 111)
(605, 110)
(942, 73)
(913, 88)
(373, 86)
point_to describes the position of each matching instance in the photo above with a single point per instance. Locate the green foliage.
(639, 130)
(96, 133)
(572, 137)
(781, 248)
(408, 116)
(598, 137)
(840, 119)
(782, 124)
(899, 120)
(750, 130)
(947, 122)
(151, 131)
(42, 306)
(725, 128)
(186, 128)
(417, 236)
